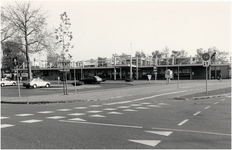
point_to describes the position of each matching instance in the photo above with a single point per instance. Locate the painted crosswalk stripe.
(145, 103)
(80, 107)
(31, 121)
(147, 142)
(4, 117)
(114, 112)
(6, 125)
(77, 119)
(215, 103)
(129, 110)
(94, 111)
(142, 108)
(123, 106)
(164, 133)
(95, 106)
(135, 105)
(56, 117)
(163, 104)
(110, 109)
(45, 112)
(97, 116)
(23, 115)
(63, 109)
(77, 114)
(153, 106)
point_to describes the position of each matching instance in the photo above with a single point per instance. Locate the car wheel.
(27, 87)
(2, 84)
(34, 86)
(14, 84)
(47, 85)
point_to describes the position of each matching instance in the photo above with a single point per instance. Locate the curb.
(212, 96)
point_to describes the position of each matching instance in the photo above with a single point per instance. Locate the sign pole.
(206, 74)
(74, 78)
(18, 81)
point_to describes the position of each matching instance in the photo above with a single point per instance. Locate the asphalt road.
(147, 121)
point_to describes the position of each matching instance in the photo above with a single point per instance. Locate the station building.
(118, 68)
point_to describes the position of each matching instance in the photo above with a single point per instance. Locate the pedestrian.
(220, 77)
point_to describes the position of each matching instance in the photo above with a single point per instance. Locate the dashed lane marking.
(207, 107)
(4, 117)
(31, 121)
(56, 117)
(95, 105)
(180, 124)
(6, 125)
(135, 105)
(123, 106)
(153, 106)
(110, 109)
(163, 104)
(145, 103)
(23, 115)
(142, 108)
(223, 99)
(197, 113)
(215, 103)
(45, 112)
(152, 143)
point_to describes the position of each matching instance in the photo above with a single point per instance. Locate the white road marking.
(135, 105)
(147, 142)
(183, 122)
(23, 115)
(142, 108)
(77, 119)
(193, 131)
(76, 114)
(6, 125)
(164, 133)
(97, 116)
(110, 109)
(129, 110)
(163, 104)
(4, 117)
(94, 111)
(63, 109)
(104, 124)
(145, 103)
(223, 99)
(207, 107)
(123, 106)
(56, 117)
(196, 113)
(140, 99)
(80, 107)
(45, 112)
(114, 112)
(153, 106)
(95, 105)
(31, 121)
(215, 103)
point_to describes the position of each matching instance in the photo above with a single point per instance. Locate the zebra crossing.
(84, 114)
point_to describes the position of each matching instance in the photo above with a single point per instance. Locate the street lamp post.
(131, 63)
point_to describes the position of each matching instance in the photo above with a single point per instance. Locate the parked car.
(93, 79)
(77, 83)
(6, 81)
(129, 80)
(36, 82)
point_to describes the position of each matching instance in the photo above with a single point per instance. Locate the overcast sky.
(102, 28)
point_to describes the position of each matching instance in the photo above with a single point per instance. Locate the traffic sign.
(205, 57)
(205, 63)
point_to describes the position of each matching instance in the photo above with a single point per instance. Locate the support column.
(115, 73)
(121, 73)
(209, 72)
(137, 69)
(191, 76)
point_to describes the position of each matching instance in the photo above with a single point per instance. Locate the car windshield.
(97, 77)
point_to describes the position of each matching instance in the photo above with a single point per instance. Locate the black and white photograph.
(115, 74)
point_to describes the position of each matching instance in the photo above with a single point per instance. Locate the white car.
(6, 81)
(36, 82)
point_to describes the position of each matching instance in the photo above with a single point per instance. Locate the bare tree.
(29, 24)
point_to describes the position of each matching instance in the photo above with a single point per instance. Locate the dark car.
(92, 80)
(77, 83)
